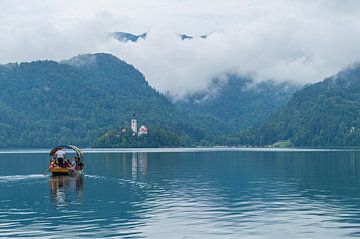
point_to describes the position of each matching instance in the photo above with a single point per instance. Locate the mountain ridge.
(77, 100)
(129, 37)
(241, 102)
(59, 102)
(326, 113)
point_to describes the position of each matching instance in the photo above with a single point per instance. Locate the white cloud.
(300, 41)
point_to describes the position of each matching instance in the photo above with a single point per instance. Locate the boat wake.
(14, 178)
(94, 176)
(119, 180)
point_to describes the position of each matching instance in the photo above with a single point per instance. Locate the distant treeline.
(157, 137)
(87, 99)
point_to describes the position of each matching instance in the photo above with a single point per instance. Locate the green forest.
(78, 101)
(323, 114)
(44, 103)
(157, 137)
(87, 99)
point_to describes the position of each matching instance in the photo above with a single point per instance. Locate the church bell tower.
(134, 124)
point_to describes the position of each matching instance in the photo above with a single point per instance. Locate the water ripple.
(15, 178)
(189, 196)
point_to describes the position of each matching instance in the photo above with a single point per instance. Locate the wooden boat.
(66, 168)
(59, 171)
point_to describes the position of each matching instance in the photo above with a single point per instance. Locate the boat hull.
(59, 174)
(64, 171)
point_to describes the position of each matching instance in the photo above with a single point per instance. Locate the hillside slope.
(44, 103)
(240, 102)
(323, 114)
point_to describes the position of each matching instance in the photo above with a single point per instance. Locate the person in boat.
(78, 164)
(67, 163)
(52, 163)
(73, 162)
(60, 156)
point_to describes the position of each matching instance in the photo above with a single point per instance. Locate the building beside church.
(143, 130)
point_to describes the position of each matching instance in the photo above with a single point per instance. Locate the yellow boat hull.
(56, 171)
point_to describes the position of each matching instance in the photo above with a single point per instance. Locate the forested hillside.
(88, 98)
(45, 102)
(323, 114)
(240, 102)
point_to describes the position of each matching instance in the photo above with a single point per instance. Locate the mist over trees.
(80, 100)
(323, 114)
(87, 99)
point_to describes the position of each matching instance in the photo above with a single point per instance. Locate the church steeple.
(134, 124)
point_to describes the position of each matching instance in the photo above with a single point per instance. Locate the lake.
(185, 193)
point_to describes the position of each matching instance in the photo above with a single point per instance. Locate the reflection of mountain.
(231, 173)
(193, 194)
(229, 190)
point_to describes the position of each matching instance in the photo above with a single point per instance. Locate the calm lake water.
(187, 194)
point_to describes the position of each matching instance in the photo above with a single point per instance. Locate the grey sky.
(300, 41)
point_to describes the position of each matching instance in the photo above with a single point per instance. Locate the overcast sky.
(282, 40)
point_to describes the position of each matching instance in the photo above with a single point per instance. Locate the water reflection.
(139, 165)
(66, 188)
(179, 195)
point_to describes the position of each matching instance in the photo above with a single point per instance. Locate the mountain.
(44, 103)
(240, 102)
(125, 37)
(323, 114)
(189, 37)
(88, 98)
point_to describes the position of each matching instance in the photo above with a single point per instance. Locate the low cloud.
(297, 41)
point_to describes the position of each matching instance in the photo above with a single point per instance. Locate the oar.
(71, 167)
(75, 171)
(46, 172)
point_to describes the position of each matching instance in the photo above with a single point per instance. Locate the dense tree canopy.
(83, 100)
(240, 102)
(323, 114)
(43, 103)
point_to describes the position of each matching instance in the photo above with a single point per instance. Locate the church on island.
(143, 130)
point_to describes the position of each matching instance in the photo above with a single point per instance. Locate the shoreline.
(182, 150)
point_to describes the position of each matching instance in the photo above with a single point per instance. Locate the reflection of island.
(63, 188)
(139, 164)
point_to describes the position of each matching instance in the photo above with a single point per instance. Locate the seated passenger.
(52, 164)
(79, 164)
(73, 162)
(67, 164)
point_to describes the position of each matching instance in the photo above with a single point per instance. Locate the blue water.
(215, 193)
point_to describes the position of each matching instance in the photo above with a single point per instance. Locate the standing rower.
(60, 156)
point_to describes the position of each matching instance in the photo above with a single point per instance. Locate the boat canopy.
(78, 151)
